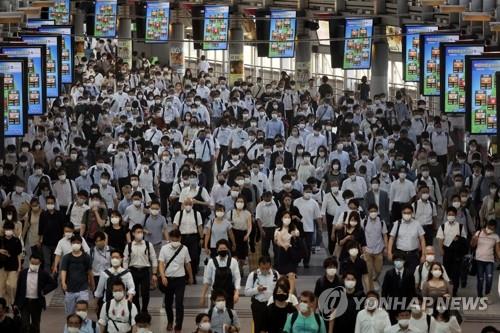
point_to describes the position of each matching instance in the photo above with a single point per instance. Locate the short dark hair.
(330, 261)
(76, 238)
(118, 282)
(174, 233)
(309, 295)
(264, 260)
(100, 236)
(222, 242)
(218, 293)
(137, 227)
(143, 318)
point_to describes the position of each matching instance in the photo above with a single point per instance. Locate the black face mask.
(280, 297)
(223, 253)
(221, 181)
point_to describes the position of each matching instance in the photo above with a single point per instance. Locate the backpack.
(108, 305)
(275, 276)
(295, 315)
(195, 217)
(147, 252)
(229, 312)
(109, 282)
(460, 246)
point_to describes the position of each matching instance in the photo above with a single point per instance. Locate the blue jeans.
(70, 300)
(484, 273)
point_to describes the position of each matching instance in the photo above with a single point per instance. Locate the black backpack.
(147, 251)
(223, 280)
(109, 282)
(229, 312)
(295, 315)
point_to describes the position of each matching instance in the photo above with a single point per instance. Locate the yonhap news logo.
(333, 303)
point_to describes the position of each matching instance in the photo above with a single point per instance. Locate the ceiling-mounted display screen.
(453, 74)
(157, 21)
(53, 60)
(15, 96)
(215, 27)
(37, 91)
(60, 12)
(481, 94)
(32, 23)
(66, 50)
(411, 50)
(282, 31)
(105, 18)
(430, 77)
(394, 38)
(358, 43)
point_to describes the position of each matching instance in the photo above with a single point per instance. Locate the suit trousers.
(31, 312)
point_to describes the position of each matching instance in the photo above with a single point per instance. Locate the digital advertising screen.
(105, 18)
(394, 38)
(430, 77)
(358, 43)
(282, 30)
(60, 12)
(67, 47)
(37, 90)
(53, 60)
(215, 27)
(453, 81)
(14, 94)
(481, 94)
(157, 21)
(33, 23)
(411, 50)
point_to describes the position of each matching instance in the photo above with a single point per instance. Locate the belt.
(408, 252)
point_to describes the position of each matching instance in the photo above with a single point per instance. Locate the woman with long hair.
(287, 238)
(436, 286)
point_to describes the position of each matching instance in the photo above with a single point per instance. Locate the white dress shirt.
(372, 322)
(177, 267)
(128, 281)
(209, 274)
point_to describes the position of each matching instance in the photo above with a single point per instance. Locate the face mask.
(353, 252)
(437, 273)
(188, 208)
(430, 258)
(234, 194)
(349, 284)
(488, 231)
(115, 220)
(331, 271)
(416, 309)
(240, 205)
(19, 189)
(399, 264)
(404, 322)
(287, 186)
(115, 262)
(222, 253)
(402, 175)
(38, 172)
(73, 330)
(82, 314)
(220, 305)
(303, 307)
(155, 212)
(373, 215)
(83, 173)
(450, 218)
(407, 217)
(307, 195)
(219, 214)
(456, 204)
(371, 304)
(75, 247)
(205, 326)
(139, 236)
(353, 178)
(50, 206)
(118, 295)
(287, 221)
(175, 245)
(34, 268)
(425, 196)
(68, 235)
(335, 189)
(104, 182)
(353, 223)
(137, 203)
(9, 233)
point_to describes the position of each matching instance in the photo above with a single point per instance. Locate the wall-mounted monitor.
(394, 38)
(67, 49)
(215, 27)
(15, 94)
(411, 50)
(481, 94)
(358, 43)
(157, 22)
(33, 23)
(105, 18)
(453, 82)
(282, 31)
(60, 12)
(430, 69)
(53, 60)
(37, 89)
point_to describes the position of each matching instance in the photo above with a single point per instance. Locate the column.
(124, 46)
(176, 48)
(303, 59)
(79, 16)
(380, 60)
(236, 47)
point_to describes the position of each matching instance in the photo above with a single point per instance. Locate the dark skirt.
(241, 245)
(284, 262)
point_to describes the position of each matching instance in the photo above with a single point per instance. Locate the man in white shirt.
(117, 314)
(355, 183)
(265, 214)
(173, 265)
(77, 208)
(426, 213)
(373, 318)
(403, 324)
(311, 215)
(401, 192)
(203, 65)
(134, 214)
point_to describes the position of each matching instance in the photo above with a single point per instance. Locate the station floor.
(53, 319)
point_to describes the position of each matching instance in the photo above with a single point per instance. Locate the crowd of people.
(138, 173)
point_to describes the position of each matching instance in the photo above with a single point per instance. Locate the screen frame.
(2, 110)
(226, 42)
(345, 42)
(404, 51)
(24, 64)
(72, 37)
(468, 91)
(294, 29)
(59, 56)
(154, 41)
(31, 20)
(115, 2)
(442, 64)
(421, 59)
(43, 79)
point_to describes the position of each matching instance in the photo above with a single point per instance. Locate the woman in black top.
(285, 206)
(350, 231)
(280, 308)
(330, 279)
(118, 235)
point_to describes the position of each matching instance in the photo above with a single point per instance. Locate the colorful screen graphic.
(453, 75)
(105, 18)
(60, 12)
(37, 92)
(66, 50)
(53, 61)
(411, 50)
(282, 33)
(394, 38)
(430, 77)
(358, 43)
(481, 100)
(157, 21)
(14, 97)
(216, 27)
(37, 23)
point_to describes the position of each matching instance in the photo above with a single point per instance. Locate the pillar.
(124, 47)
(380, 60)
(236, 47)
(176, 48)
(303, 56)
(79, 30)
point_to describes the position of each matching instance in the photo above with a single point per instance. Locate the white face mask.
(73, 330)
(118, 295)
(407, 217)
(220, 305)
(75, 247)
(331, 272)
(205, 326)
(425, 196)
(219, 214)
(115, 220)
(240, 205)
(175, 245)
(430, 258)
(115, 262)
(82, 314)
(50, 206)
(287, 221)
(9, 233)
(373, 215)
(349, 284)
(34, 268)
(404, 323)
(303, 307)
(353, 252)
(437, 273)
(137, 203)
(68, 235)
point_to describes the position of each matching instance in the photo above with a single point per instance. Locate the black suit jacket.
(45, 285)
(393, 286)
(287, 160)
